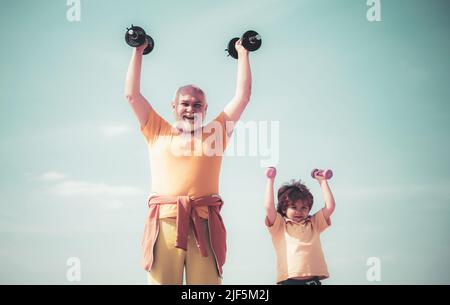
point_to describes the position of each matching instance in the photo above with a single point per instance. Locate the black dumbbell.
(136, 36)
(251, 40)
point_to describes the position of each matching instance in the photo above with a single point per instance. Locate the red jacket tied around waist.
(186, 214)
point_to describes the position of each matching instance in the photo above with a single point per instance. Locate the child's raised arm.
(328, 196)
(269, 205)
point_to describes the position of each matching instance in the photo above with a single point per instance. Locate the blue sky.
(368, 99)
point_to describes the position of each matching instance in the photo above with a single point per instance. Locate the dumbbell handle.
(326, 173)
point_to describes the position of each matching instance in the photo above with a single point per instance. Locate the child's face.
(297, 211)
(189, 110)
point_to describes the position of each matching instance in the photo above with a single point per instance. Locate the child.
(295, 234)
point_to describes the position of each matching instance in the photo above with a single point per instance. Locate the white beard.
(187, 126)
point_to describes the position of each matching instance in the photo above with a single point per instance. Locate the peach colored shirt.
(184, 165)
(298, 248)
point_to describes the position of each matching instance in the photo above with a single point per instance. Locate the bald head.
(191, 90)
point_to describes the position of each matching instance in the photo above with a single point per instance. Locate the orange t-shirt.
(298, 248)
(184, 164)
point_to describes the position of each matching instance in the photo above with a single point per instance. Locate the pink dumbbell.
(327, 173)
(271, 172)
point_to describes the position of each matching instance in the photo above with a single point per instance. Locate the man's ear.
(173, 105)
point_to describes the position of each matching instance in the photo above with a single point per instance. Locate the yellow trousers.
(170, 262)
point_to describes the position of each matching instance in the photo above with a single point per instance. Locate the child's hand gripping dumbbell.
(322, 174)
(271, 172)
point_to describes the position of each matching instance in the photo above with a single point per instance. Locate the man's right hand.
(141, 49)
(240, 48)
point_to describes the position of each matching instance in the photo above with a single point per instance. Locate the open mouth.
(191, 118)
(188, 118)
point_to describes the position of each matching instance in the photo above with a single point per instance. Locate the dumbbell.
(251, 40)
(327, 173)
(271, 172)
(136, 36)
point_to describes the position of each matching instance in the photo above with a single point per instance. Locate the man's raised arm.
(140, 105)
(236, 106)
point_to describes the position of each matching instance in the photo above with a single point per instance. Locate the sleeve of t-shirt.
(319, 222)
(154, 126)
(277, 225)
(220, 120)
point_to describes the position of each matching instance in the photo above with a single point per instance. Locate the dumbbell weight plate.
(151, 45)
(328, 174)
(232, 49)
(313, 173)
(135, 42)
(251, 40)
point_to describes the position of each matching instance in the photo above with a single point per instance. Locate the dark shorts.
(310, 282)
